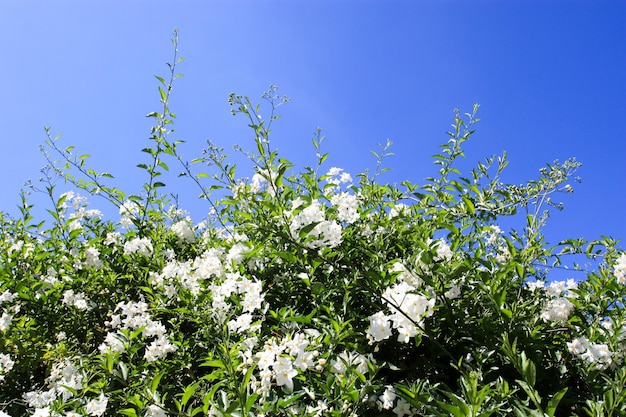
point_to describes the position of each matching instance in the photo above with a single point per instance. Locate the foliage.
(305, 293)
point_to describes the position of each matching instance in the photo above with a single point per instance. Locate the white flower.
(77, 300)
(257, 183)
(594, 354)
(336, 177)
(619, 269)
(325, 233)
(492, 234)
(379, 328)
(42, 412)
(252, 301)
(6, 364)
(183, 231)
(559, 288)
(453, 292)
(599, 355)
(208, 265)
(38, 399)
(353, 359)
(557, 310)
(158, 349)
(5, 321)
(388, 397)
(241, 324)
(155, 411)
(304, 360)
(129, 209)
(311, 214)
(92, 257)
(402, 408)
(97, 407)
(318, 409)
(535, 285)
(265, 358)
(397, 210)
(503, 254)
(406, 275)
(283, 368)
(297, 344)
(347, 206)
(443, 251)
(142, 246)
(113, 238)
(75, 225)
(7, 297)
(236, 253)
(112, 343)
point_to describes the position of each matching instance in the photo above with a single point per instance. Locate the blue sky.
(550, 77)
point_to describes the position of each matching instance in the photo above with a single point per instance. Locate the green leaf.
(155, 381)
(287, 256)
(469, 205)
(528, 370)
(215, 363)
(531, 392)
(554, 402)
(123, 370)
(188, 393)
(287, 402)
(454, 411)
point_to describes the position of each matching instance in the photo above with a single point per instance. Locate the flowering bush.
(305, 294)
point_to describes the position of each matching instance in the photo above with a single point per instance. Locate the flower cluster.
(129, 211)
(75, 299)
(347, 206)
(280, 361)
(6, 317)
(63, 383)
(325, 233)
(6, 364)
(249, 293)
(335, 177)
(558, 307)
(408, 309)
(399, 209)
(183, 231)
(141, 245)
(79, 204)
(596, 354)
(132, 316)
(387, 399)
(97, 406)
(443, 251)
(277, 365)
(92, 258)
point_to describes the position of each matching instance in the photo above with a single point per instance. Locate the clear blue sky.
(550, 77)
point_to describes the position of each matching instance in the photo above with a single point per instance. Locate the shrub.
(305, 293)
